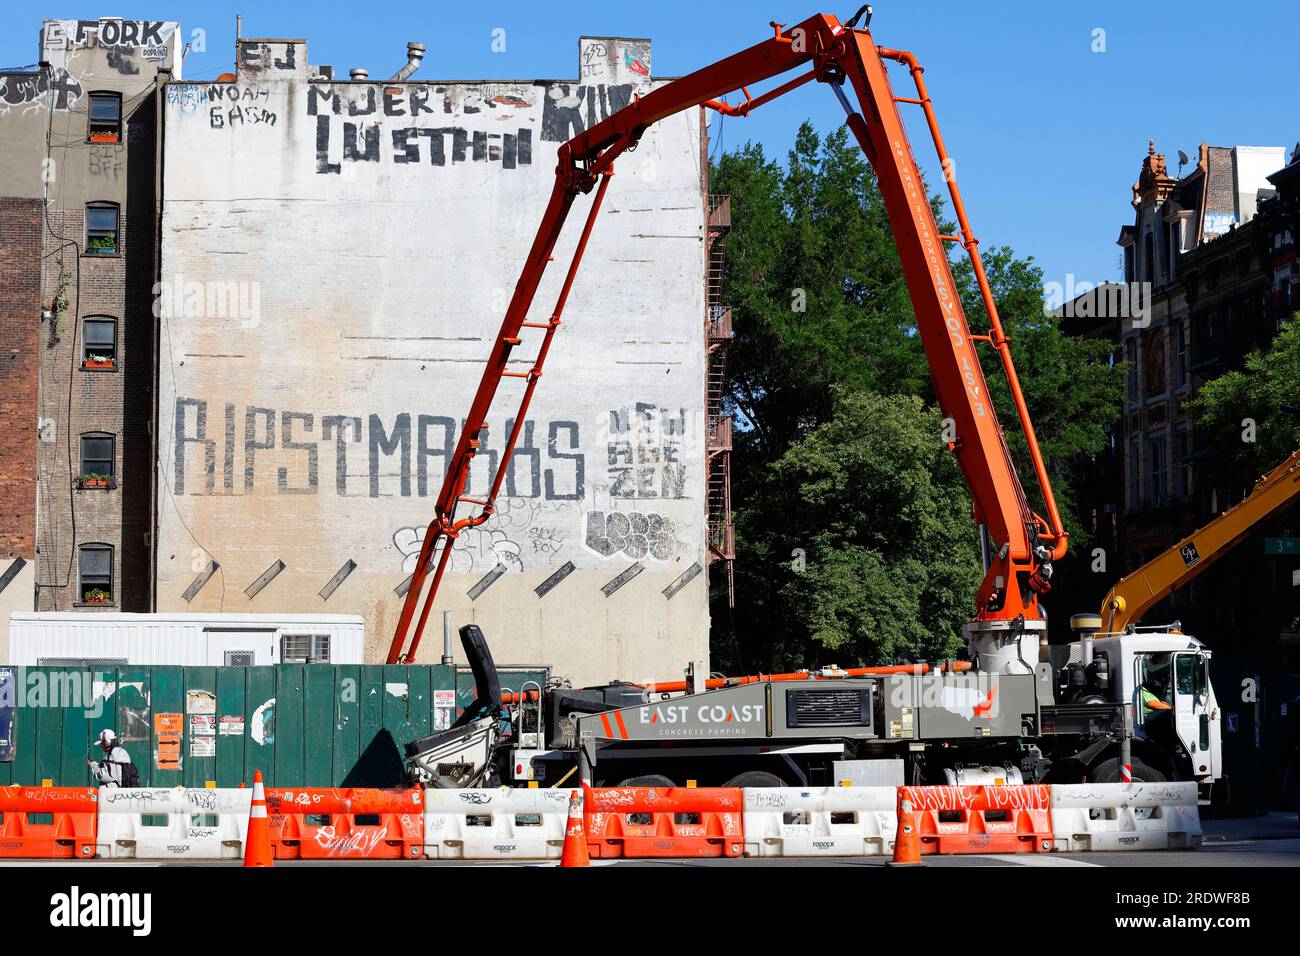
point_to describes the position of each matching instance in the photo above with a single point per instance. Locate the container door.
(228, 647)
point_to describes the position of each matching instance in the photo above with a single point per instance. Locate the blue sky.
(1047, 134)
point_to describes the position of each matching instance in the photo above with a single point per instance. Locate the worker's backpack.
(130, 774)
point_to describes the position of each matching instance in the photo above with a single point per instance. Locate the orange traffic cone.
(257, 844)
(907, 842)
(575, 835)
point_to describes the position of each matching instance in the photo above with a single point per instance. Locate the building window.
(97, 460)
(1158, 473)
(1181, 354)
(1135, 476)
(305, 649)
(105, 118)
(1149, 258)
(99, 342)
(1130, 356)
(101, 229)
(95, 567)
(1186, 479)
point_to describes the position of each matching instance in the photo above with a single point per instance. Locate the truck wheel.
(647, 780)
(755, 778)
(1108, 772)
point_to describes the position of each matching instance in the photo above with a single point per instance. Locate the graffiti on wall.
(188, 96)
(407, 454)
(37, 90)
(373, 456)
(570, 108)
(523, 533)
(644, 452)
(352, 139)
(236, 106)
(106, 160)
(122, 39)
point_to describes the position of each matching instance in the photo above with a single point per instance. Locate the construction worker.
(1153, 701)
(116, 768)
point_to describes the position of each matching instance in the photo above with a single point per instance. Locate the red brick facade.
(20, 310)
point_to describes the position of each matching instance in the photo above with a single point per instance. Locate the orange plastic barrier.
(69, 832)
(984, 819)
(356, 824)
(664, 821)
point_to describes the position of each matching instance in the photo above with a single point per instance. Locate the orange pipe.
(713, 683)
(1058, 536)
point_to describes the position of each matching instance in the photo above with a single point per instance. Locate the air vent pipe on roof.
(414, 54)
(359, 73)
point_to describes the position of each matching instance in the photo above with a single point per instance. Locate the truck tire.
(755, 778)
(647, 780)
(1108, 772)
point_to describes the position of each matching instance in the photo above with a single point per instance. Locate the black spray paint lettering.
(114, 32)
(238, 106)
(33, 89)
(570, 109)
(385, 444)
(360, 143)
(257, 57)
(509, 149)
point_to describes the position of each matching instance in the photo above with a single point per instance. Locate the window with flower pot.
(97, 450)
(101, 229)
(99, 342)
(105, 118)
(95, 574)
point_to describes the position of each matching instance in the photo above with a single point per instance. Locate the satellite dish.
(1182, 161)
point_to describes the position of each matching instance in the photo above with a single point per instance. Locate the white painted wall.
(374, 290)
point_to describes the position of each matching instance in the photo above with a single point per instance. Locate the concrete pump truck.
(1005, 715)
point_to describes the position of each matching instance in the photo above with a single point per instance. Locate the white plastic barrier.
(155, 823)
(820, 821)
(498, 824)
(1125, 816)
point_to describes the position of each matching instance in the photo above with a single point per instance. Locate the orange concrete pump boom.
(1023, 543)
(1138, 592)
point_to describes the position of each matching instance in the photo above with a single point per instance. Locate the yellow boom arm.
(1134, 595)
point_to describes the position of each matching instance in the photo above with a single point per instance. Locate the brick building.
(79, 143)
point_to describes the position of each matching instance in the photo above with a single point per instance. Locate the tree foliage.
(1249, 420)
(855, 543)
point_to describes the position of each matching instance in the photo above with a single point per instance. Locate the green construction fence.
(302, 725)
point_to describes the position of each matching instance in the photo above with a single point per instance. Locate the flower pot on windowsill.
(105, 138)
(97, 598)
(94, 363)
(96, 481)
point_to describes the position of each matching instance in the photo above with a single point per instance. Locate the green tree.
(886, 576)
(891, 558)
(1249, 420)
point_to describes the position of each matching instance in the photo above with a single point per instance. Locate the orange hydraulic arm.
(1023, 543)
(1136, 593)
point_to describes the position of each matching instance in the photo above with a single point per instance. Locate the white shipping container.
(193, 640)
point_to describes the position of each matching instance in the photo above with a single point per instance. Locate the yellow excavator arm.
(1134, 594)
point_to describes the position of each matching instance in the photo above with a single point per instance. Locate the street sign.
(1282, 545)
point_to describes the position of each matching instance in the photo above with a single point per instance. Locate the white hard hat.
(107, 736)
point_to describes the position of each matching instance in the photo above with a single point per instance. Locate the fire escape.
(717, 321)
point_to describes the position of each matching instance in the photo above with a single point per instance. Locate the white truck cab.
(1174, 668)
